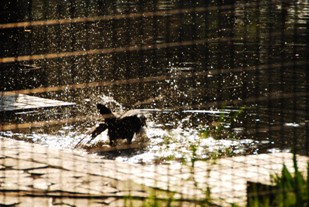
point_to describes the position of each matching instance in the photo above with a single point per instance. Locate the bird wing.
(130, 113)
(98, 130)
(101, 128)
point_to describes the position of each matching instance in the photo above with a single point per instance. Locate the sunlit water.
(234, 84)
(169, 142)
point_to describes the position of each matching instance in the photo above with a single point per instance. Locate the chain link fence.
(223, 86)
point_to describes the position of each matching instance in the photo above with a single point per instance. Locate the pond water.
(215, 79)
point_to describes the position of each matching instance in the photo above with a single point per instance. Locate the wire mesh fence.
(206, 103)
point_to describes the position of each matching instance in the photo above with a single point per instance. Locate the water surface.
(217, 79)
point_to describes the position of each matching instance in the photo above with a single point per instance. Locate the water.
(179, 140)
(216, 79)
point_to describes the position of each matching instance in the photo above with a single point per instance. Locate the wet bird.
(122, 126)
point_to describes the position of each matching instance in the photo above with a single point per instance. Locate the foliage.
(219, 129)
(211, 141)
(155, 201)
(289, 190)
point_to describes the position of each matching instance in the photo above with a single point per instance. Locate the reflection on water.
(217, 78)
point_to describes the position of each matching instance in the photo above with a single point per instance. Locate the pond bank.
(36, 175)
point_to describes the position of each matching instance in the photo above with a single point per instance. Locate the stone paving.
(21, 102)
(36, 175)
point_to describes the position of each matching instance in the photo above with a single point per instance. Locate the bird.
(122, 126)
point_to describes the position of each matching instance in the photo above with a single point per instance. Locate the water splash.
(111, 102)
(180, 142)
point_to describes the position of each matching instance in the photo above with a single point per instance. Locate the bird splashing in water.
(119, 126)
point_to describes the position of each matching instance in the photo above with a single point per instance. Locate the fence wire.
(223, 86)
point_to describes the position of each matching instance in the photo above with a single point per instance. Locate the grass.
(218, 129)
(288, 190)
(160, 198)
(210, 141)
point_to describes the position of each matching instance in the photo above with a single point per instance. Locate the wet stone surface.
(18, 102)
(36, 175)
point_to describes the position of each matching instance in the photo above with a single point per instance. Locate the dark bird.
(122, 126)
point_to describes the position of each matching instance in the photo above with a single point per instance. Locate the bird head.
(105, 112)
